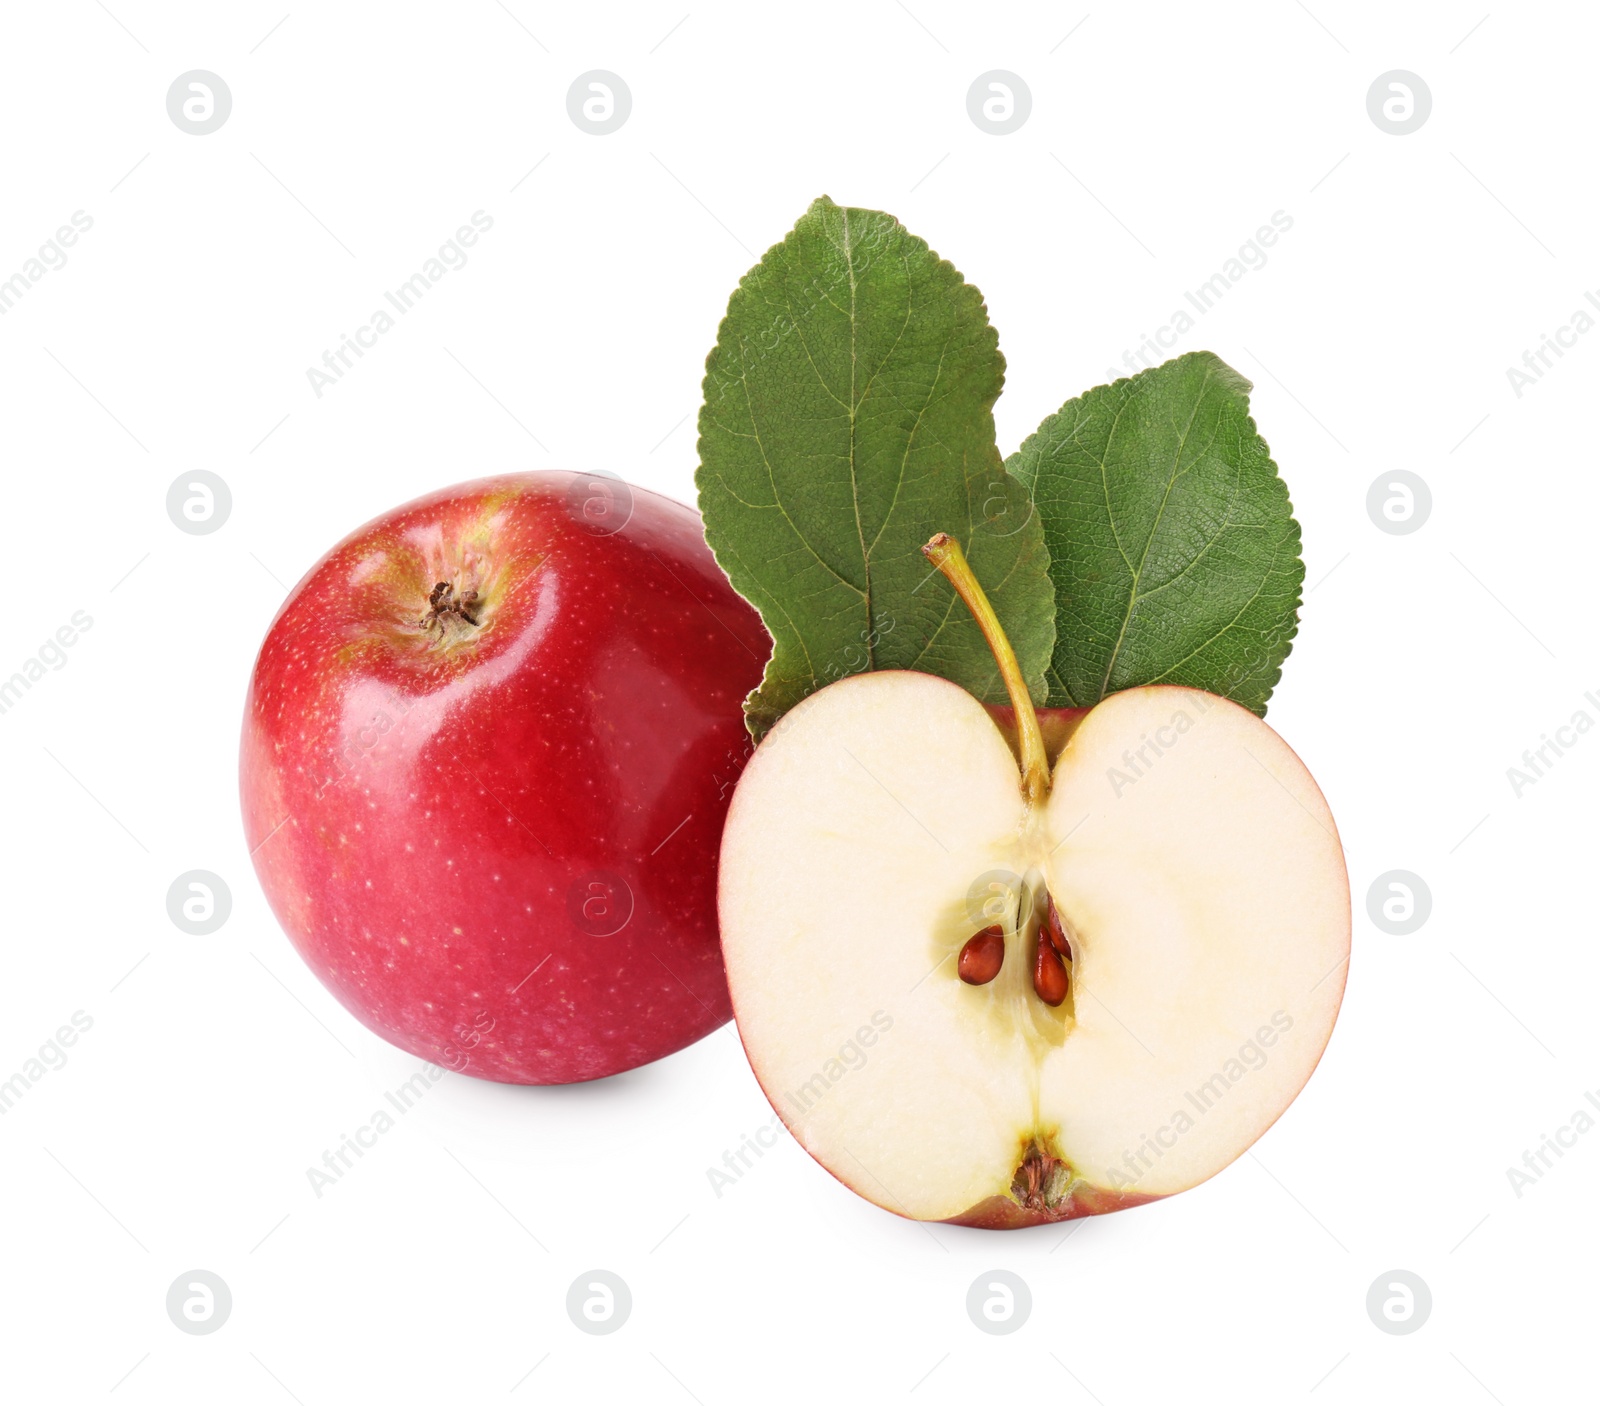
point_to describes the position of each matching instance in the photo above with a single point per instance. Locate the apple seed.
(1049, 975)
(982, 955)
(1058, 935)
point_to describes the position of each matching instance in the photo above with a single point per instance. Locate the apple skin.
(440, 817)
(1056, 724)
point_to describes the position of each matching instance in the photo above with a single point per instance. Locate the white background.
(177, 338)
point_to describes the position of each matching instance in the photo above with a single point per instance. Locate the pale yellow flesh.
(1206, 893)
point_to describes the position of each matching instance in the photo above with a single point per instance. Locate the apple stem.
(945, 553)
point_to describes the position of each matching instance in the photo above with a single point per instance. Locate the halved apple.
(1173, 922)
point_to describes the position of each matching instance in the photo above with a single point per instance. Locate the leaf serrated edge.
(1237, 384)
(759, 718)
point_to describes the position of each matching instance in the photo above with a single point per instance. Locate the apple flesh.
(488, 748)
(1201, 891)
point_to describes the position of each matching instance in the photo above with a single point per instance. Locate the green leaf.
(848, 418)
(1173, 547)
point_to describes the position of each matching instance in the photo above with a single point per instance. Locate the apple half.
(1004, 1005)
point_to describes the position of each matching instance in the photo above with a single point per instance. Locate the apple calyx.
(444, 604)
(1043, 1182)
(945, 553)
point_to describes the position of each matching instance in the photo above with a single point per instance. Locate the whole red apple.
(488, 746)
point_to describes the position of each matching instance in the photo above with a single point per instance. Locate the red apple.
(488, 746)
(1038, 979)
